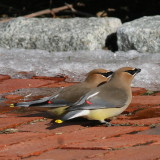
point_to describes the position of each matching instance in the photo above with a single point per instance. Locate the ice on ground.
(77, 64)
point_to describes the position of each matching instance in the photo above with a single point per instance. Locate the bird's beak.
(137, 70)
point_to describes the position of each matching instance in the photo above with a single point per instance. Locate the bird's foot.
(108, 124)
(12, 105)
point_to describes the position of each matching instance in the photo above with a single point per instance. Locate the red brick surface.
(48, 127)
(13, 84)
(157, 94)
(56, 79)
(66, 154)
(147, 113)
(12, 122)
(138, 91)
(13, 97)
(5, 109)
(145, 100)
(148, 152)
(4, 77)
(114, 143)
(32, 135)
(139, 122)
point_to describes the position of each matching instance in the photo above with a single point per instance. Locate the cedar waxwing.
(105, 101)
(56, 104)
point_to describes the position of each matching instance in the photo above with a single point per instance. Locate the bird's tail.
(39, 102)
(72, 114)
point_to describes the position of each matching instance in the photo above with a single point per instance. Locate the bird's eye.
(132, 72)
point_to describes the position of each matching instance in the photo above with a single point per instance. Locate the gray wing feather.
(113, 99)
(43, 102)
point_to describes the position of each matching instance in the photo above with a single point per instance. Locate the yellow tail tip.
(11, 105)
(58, 121)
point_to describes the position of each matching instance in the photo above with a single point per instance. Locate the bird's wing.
(99, 100)
(51, 102)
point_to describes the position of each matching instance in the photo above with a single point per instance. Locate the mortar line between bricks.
(117, 135)
(9, 126)
(59, 147)
(37, 153)
(49, 83)
(158, 158)
(11, 111)
(109, 148)
(44, 151)
(48, 135)
(140, 125)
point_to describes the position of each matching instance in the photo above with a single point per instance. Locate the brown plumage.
(106, 101)
(71, 94)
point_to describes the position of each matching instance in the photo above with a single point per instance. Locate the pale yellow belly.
(57, 111)
(102, 114)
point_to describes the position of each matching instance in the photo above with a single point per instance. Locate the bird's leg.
(106, 123)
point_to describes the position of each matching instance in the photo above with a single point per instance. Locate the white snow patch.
(77, 64)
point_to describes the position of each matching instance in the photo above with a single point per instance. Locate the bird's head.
(98, 76)
(126, 74)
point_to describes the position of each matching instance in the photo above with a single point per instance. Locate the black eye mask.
(107, 74)
(134, 71)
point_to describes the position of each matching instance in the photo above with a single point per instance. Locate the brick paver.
(33, 135)
(146, 152)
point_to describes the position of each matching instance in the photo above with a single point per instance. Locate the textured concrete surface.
(142, 34)
(57, 34)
